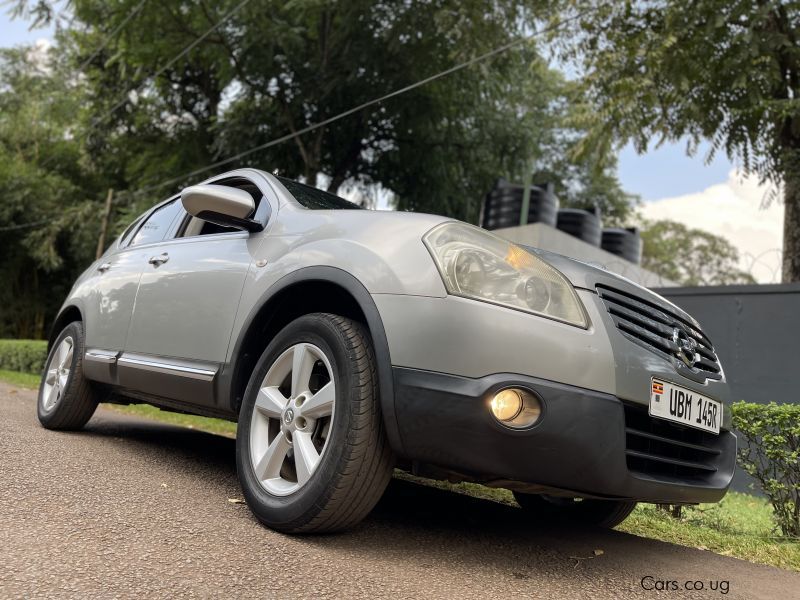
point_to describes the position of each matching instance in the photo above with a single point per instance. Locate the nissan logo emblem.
(686, 347)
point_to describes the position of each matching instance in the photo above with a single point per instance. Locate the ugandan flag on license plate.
(658, 388)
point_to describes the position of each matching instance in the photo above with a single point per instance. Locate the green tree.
(723, 70)
(690, 256)
(273, 68)
(48, 219)
(579, 184)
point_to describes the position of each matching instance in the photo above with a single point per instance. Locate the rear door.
(185, 308)
(111, 291)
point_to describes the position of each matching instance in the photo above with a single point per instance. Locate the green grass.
(146, 411)
(741, 525)
(24, 380)
(220, 426)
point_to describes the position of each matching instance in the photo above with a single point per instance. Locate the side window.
(157, 224)
(126, 235)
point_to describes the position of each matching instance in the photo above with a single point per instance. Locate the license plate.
(680, 405)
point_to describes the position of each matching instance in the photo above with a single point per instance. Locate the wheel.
(603, 513)
(311, 451)
(66, 399)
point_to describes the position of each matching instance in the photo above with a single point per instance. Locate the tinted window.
(157, 224)
(315, 199)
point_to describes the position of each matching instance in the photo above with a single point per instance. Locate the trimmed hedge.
(26, 356)
(769, 450)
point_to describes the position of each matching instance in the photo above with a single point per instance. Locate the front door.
(185, 309)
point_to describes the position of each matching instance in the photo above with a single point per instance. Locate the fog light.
(506, 405)
(516, 408)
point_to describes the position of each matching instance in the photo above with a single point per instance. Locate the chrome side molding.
(160, 366)
(102, 356)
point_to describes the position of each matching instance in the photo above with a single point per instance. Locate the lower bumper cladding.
(584, 442)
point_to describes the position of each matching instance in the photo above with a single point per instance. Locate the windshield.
(315, 199)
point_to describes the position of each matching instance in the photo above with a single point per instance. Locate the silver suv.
(347, 342)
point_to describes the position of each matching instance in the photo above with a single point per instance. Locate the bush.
(26, 356)
(769, 450)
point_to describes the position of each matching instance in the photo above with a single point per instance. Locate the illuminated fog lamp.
(506, 405)
(516, 408)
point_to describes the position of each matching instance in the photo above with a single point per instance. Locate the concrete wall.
(755, 330)
(548, 238)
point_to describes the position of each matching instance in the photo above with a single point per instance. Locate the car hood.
(588, 276)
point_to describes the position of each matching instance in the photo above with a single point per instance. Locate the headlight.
(480, 265)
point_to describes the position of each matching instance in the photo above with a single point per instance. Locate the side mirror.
(222, 205)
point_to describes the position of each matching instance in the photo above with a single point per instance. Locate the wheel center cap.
(288, 416)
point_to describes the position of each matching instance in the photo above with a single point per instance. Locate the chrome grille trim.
(652, 326)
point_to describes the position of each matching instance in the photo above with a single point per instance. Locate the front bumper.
(582, 444)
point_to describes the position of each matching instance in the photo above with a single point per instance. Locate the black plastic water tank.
(585, 225)
(626, 243)
(502, 206)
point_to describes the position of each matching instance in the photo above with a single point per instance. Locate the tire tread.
(80, 401)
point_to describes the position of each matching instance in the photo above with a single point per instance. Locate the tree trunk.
(791, 226)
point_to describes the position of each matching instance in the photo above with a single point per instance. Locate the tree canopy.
(136, 94)
(273, 68)
(46, 215)
(690, 256)
(723, 70)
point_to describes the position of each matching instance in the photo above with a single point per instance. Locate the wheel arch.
(66, 315)
(311, 289)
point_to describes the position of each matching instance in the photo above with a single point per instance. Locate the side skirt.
(182, 385)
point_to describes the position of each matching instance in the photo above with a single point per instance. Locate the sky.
(673, 186)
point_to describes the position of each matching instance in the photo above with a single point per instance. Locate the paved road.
(132, 508)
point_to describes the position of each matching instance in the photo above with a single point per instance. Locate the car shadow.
(405, 504)
(422, 526)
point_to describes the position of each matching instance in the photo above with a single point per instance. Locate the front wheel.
(311, 451)
(602, 513)
(66, 399)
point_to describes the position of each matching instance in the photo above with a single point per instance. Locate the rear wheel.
(602, 513)
(311, 452)
(66, 399)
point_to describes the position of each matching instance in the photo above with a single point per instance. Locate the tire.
(626, 243)
(602, 513)
(503, 204)
(582, 224)
(66, 399)
(354, 462)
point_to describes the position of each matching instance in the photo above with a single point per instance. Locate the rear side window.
(157, 224)
(126, 235)
(315, 199)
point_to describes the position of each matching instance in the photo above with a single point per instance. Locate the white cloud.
(734, 210)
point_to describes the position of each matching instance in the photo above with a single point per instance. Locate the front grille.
(660, 449)
(653, 327)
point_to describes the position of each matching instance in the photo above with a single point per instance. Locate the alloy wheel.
(292, 419)
(57, 373)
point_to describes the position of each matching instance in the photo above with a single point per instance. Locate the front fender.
(363, 298)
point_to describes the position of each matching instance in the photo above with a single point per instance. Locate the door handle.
(159, 260)
(104, 267)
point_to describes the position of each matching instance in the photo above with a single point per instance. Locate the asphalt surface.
(133, 508)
